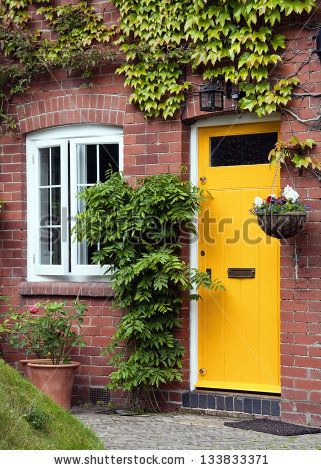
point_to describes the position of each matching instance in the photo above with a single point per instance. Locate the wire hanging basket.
(281, 226)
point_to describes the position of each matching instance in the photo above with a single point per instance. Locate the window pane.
(56, 246)
(55, 165)
(108, 159)
(50, 246)
(86, 175)
(45, 246)
(85, 253)
(44, 206)
(86, 164)
(55, 206)
(44, 166)
(247, 149)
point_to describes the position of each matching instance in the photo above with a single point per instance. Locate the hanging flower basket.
(280, 217)
(282, 225)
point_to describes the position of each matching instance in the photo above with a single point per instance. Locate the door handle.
(209, 272)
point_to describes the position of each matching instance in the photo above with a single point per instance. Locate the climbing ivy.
(234, 39)
(237, 40)
(141, 232)
(79, 42)
(297, 152)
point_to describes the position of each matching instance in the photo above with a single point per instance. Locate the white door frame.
(223, 120)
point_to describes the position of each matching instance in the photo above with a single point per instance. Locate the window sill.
(65, 289)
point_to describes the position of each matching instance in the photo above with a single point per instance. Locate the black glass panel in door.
(245, 149)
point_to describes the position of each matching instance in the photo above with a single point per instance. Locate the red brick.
(291, 305)
(147, 138)
(314, 193)
(315, 420)
(309, 408)
(307, 362)
(98, 341)
(315, 328)
(307, 384)
(315, 396)
(293, 372)
(296, 350)
(287, 294)
(286, 406)
(295, 395)
(307, 294)
(295, 417)
(306, 339)
(286, 382)
(314, 306)
(157, 148)
(296, 327)
(314, 374)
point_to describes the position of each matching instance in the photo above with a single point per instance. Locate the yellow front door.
(238, 328)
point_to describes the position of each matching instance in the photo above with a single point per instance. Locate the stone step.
(250, 404)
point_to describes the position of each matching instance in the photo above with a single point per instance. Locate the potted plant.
(280, 217)
(48, 330)
(23, 332)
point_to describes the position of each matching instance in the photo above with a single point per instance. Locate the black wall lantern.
(211, 96)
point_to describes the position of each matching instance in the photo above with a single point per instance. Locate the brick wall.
(156, 147)
(149, 148)
(301, 258)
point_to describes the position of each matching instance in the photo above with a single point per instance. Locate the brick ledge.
(56, 288)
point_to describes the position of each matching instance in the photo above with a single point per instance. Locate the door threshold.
(243, 393)
(235, 402)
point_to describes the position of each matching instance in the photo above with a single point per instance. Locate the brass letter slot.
(241, 273)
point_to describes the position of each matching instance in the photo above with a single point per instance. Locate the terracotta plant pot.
(24, 362)
(23, 366)
(54, 380)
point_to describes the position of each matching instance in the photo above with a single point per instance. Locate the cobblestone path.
(184, 431)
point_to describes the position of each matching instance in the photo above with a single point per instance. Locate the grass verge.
(23, 409)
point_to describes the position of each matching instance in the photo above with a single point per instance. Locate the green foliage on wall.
(234, 39)
(141, 232)
(77, 42)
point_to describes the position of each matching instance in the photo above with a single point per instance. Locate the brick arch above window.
(70, 109)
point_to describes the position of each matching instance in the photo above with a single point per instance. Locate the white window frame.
(61, 136)
(79, 269)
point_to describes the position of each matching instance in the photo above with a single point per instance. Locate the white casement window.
(60, 163)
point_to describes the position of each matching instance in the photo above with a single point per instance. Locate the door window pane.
(245, 149)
